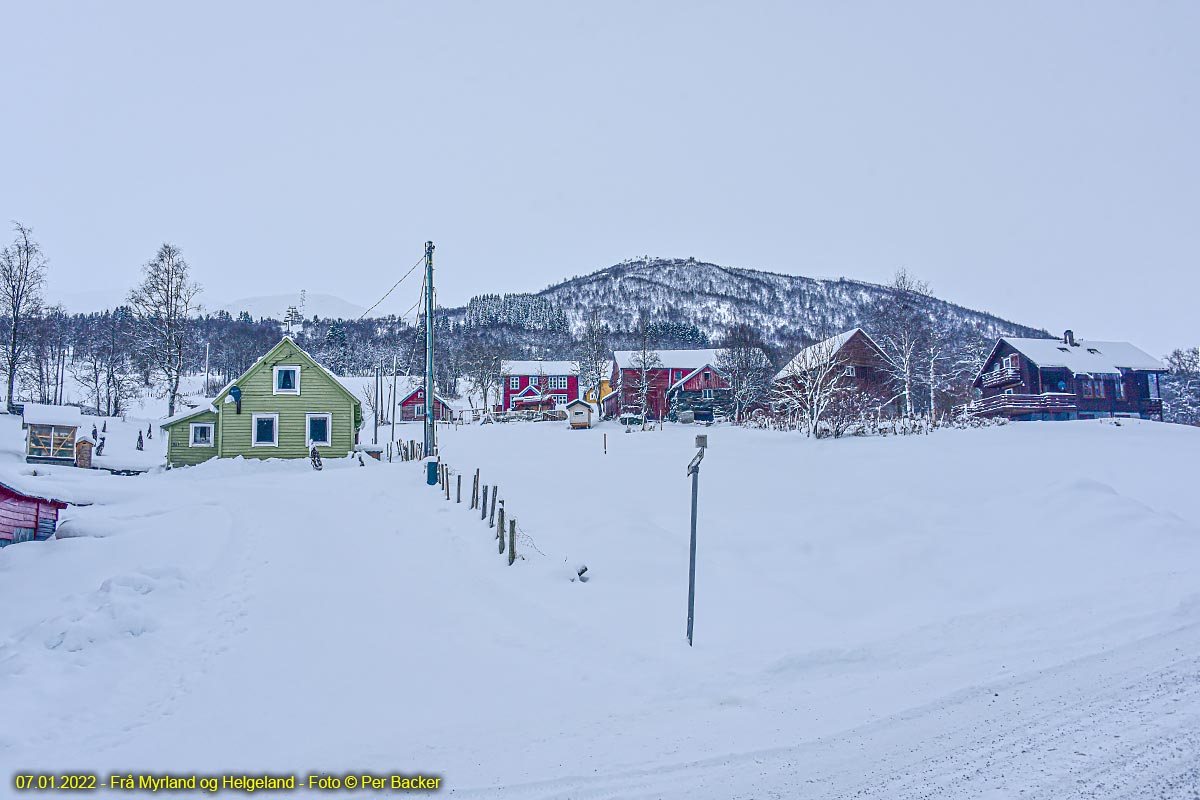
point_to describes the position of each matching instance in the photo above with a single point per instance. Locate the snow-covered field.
(989, 613)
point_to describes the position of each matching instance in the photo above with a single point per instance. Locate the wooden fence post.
(459, 488)
(512, 541)
(492, 516)
(447, 481)
(475, 491)
(483, 505)
(500, 529)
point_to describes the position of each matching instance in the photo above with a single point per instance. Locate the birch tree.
(162, 307)
(646, 361)
(901, 328)
(594, 358)
(744, 361)
(811, 385)
(22, 276)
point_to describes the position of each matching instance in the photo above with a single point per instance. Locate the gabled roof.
(825, 349)
(1083, 358)
(670, 359)
(539, 367)
(34, 495)
(304, 354)
(528, 390)
(692, 374)
(43, 414)
(578, 402)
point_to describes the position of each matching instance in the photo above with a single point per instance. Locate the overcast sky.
(1037, 160)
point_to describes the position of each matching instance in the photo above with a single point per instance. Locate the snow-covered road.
(1121, 724)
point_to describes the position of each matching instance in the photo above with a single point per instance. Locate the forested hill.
(783, 308)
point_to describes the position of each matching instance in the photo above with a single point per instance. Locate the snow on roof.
(42, 414)
(539, 367)
(814, 353)
(405, 386)
(18, 484)
(1095, 358)
(670, 359)
(189, 412)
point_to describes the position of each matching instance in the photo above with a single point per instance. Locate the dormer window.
(287, 380)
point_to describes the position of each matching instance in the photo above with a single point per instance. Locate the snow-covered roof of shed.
(826, 348)
(188, 413)
(1086, 357)
(43, 414)
(671, 359)
(539, 367)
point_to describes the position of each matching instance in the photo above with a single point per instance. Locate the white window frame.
(850, 371)
(212, 434)
(558, 382)
(275, 379)
(514, 383)
(560, 399)
(254, 418)
(308, 429)
(420, 411)
(707, 394)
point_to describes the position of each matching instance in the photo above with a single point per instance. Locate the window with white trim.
(708, 394)
(319, 428)
(264, 430)
(287, 380)
(558, 382)
(514, 382)
(559, 399)
(850, 371)
(201, 434)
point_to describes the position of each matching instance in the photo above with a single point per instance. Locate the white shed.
(579, 414)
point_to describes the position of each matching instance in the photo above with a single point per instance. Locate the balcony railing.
(1051, 401)
(1001, 377)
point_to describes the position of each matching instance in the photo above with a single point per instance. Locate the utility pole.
(694, 472)
(207, 347)
(394, 373)
(430, 444)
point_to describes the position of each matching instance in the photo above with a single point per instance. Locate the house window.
(514, 382)
(558, 382)
(708, 394)
(421, 411)
(850, 371)
(1152, 385)
(1086, 387)
(287, 380)
(559, 399)
(1119, 389)
(678, 374)
(266, 430)
(707, 375)
(1011, 362)
(534, 380)
(1100, 388)
(320, 428)
(201, 434)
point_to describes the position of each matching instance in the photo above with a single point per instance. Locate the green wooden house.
(280, 407)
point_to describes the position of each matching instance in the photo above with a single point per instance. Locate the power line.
(420, 261)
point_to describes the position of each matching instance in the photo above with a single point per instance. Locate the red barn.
(539, 385)
(26, 517)
(670, 367)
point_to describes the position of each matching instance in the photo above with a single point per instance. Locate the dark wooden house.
(25, 516)
(705, 392)
(860, 364)
(666, 378)
(1065, 379)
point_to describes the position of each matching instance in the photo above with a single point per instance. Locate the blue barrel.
(431, 472)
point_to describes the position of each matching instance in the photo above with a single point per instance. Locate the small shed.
(50, 433)
(26, 517)
(579, 414)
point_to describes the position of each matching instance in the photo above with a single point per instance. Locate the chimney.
(1069, 338)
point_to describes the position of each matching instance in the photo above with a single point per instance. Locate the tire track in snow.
(1123, 723)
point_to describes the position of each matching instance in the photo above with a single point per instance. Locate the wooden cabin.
(50, 433)
(1066, 379)
(26, 517)
(538, 385)
(670, 371)
(579, 414)
(850, 363)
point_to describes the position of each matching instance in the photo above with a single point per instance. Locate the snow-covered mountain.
(714, 298)
(326, 306)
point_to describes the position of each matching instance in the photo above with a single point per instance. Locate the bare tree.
(747, 367)
(22, 275)
(812, 384)
(162, 306)
(1181, 387)
(482, 361)
(594, 359)
(646, 361)
(901, 327)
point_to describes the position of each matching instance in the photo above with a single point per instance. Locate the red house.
(539, 385)
(26, 517)
(674, 374)
(411, 406)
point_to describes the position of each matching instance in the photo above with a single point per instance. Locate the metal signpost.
(694, 471)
